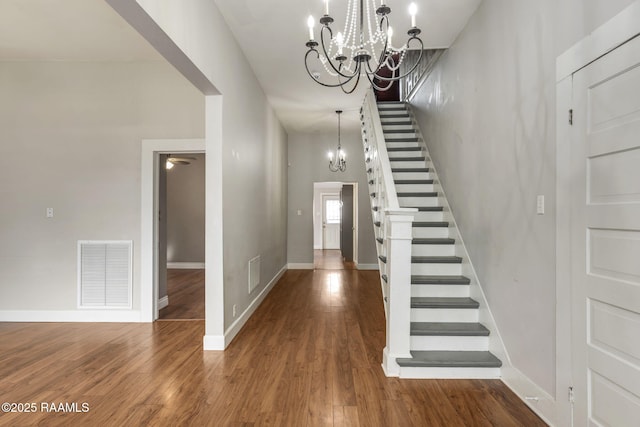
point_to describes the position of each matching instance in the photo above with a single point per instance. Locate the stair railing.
(393, 232)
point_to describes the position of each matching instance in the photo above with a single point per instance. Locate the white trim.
(186, 265)
(116, 316)
(540, 402)
(618, 30)
(300, 266)
(367, 266)
(216, 342)
(163, 302)
(150, 150)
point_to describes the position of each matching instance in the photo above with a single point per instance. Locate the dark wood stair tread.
(413, 181)
(427, 208)
(439, 280)
(428, 224)
(403, 139)
(450, 359)
(398, 149)
(418, 194)
(399, 131)
(457, 329)
(436, 260)
(409, 169)
(407, 159)
(434, 241)
(429, 302)
(403, 123)
(383, 258)
(380, 240)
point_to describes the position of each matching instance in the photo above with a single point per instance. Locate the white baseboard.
(300, 266)
(217, 342)
(186, 265)
(163, 302)
(367, 266)
(540, 402)
(92, 316)
(213, 342)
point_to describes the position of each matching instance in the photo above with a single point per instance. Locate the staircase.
(446, 339)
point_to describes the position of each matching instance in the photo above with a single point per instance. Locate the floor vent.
(254, 273)
(104, 273)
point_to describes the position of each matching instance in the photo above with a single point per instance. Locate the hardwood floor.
(186, 295)
(330, 259)
(309, 356)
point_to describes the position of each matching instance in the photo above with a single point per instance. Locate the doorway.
(181, 236)
(335, 225)
(149, 240)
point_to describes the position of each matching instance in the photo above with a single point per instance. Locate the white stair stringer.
(438, 252)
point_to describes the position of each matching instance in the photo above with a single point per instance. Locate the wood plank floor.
(330, 259)
(185, 289)
(309, 356)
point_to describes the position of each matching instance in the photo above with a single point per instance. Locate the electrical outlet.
(234, 310)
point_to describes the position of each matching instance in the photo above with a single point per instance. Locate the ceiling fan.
(174, 160)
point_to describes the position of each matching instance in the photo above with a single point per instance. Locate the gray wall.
(488, 114)
(308, 163)
(186, 211)
(70, 139)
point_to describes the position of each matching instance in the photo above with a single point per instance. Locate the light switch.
(49, 212)
(299, 212)
(540, 207)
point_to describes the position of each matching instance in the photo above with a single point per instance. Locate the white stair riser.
(440, 291)
(418, 201)
(444, 315)
(430, 232)
(414, 188)
(407, 126)
(396, 154)
(399, 135)
(408, 164)
(449, 373)
(449, 343)
(412, 175)
(433, 250)
(429, 216)
(433, 269)
(402, 144)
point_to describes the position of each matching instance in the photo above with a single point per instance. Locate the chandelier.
(363, 47)
(338, 163)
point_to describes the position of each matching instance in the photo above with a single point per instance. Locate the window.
(332, 211)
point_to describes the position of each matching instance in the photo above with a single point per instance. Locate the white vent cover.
(254, 273)
(104, 273)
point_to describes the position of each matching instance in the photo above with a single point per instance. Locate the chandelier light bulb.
(340, 41)
(310, 24)
(413, 10)
(169, 165)
(326, 7)
(389, 35)
(330, 155)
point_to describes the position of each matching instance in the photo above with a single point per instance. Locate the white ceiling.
(272, 34)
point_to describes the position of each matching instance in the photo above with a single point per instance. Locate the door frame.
(150, 163)
(604, 39)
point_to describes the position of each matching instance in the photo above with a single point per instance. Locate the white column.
(398, 227)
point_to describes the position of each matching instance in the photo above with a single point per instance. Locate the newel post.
(398, 227)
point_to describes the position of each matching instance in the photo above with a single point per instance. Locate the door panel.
(346, 228)
(605, 239)
(331, 222)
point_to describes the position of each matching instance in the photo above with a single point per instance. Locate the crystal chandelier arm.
(355, 85)
(326, 54)
(414, 65)
(306, 66)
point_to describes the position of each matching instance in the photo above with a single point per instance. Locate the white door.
(331, 222)
(605, 239)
